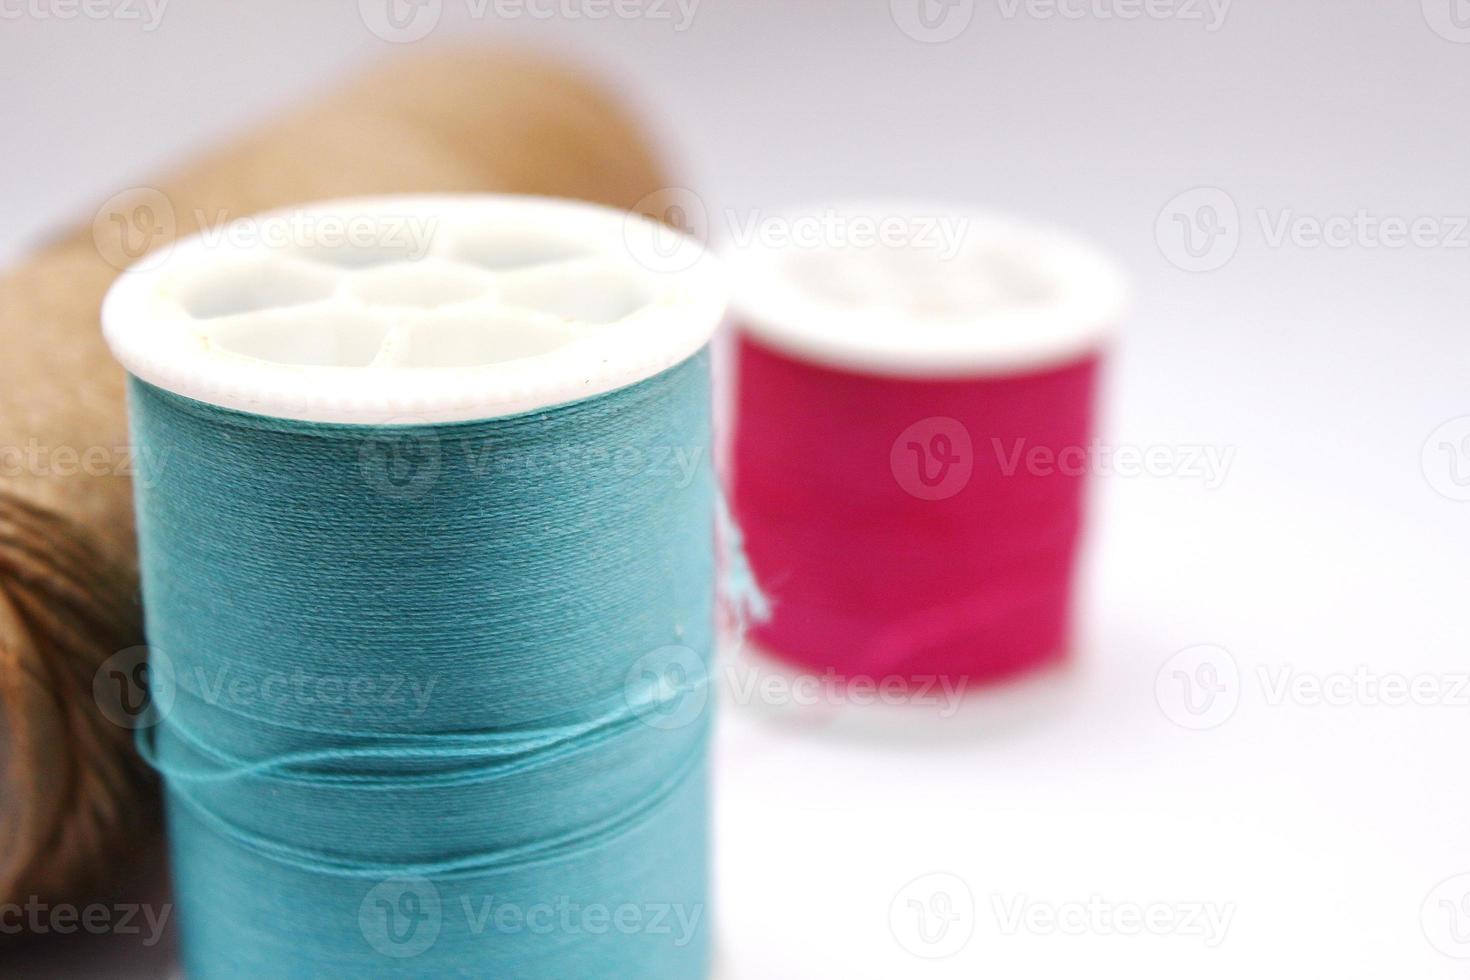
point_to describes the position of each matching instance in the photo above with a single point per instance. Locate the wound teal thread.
(438, 693)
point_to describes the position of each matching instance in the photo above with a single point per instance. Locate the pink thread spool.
(913, 422)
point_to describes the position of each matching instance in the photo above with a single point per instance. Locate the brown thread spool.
(72, 790)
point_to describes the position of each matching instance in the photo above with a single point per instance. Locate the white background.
(1321, 830)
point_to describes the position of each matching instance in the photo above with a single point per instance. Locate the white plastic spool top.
(415, 309)
(923, 291)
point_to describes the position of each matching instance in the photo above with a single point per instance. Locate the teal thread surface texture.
(431, 699)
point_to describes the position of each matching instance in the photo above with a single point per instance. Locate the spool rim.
(415, 308)
(1081, 299)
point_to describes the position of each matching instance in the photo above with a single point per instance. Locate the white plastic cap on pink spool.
(924, 291)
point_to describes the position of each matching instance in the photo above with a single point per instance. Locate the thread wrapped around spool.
(75, 803)
(892, 395)
(441, 457)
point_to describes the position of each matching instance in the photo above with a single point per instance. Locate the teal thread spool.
(427, 554)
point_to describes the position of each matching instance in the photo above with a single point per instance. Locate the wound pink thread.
(909, 527)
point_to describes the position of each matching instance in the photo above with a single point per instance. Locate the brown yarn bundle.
(73, 794)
